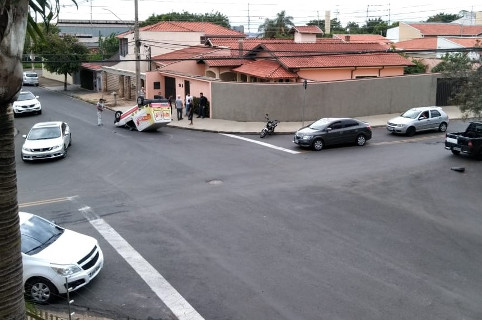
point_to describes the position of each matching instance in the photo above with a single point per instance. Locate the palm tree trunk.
(13, 17)
(65, 81)
(12, 305)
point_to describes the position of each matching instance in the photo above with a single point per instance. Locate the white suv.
(30, 78)
(53, 256)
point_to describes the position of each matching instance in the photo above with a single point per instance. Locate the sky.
(254, 12)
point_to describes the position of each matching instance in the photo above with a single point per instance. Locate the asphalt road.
(245, 231)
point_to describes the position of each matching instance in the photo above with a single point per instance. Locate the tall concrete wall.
(291, 102)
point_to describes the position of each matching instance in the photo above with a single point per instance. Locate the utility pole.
(137, 45)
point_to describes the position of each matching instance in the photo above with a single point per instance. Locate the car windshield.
(412, 114)
(44, 133)
(37, 234)
(320, 124)
(25, 96)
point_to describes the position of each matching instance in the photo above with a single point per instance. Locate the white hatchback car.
(53, 256)
(47, 140)
(419, 119)
(26, 102)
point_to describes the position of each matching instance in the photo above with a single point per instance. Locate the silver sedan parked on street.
(419, 119)
(47, 140)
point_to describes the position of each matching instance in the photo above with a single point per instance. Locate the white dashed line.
(163, 289)
(264, 144)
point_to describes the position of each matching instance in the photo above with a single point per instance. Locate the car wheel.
(361, 140)
(410, 131)
(318, 144)
(15, 115)
(40, 290)
(117, 116)
(39, 112)
(456, 152)
(442, 127)
(70, 140)
(65, 152)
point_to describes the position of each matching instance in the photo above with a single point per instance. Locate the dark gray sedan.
(333, 131)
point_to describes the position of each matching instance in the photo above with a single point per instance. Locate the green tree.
(108, 47)
(62, 55)
(278, 27)
(353, 28)
(15, 23)
(216, 18)
(469, 96)
(335, 26)
(443, 17)
(376, 26)
(454, 65)
(466, 73)
(419, 67)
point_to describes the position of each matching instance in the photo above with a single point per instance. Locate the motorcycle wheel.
(263, 133)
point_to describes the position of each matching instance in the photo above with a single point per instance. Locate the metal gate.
(446, 90)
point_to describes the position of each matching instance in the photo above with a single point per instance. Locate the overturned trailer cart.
(147, 115)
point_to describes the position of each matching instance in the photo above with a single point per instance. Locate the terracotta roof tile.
(447, 29)
(91, 66)
(351, 60)
(317, 48)
(209, 29)
(265, 69)
(467, 42)
(225, 62)
(307, 29)
(362, 38)
(418, 44)
(188, 53)
(247, 44)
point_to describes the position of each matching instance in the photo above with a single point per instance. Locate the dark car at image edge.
(333, 131)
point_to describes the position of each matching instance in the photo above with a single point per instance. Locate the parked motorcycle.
(270, 126)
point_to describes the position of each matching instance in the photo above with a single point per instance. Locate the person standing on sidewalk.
(188, 103)
(100, 109)
(203, 101)
(191, 114)
(179, 108)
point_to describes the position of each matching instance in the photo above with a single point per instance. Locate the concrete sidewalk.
(213, 125)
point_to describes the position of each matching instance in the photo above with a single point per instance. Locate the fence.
(45, 315)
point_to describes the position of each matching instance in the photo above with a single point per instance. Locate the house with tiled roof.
(272, 61)
(160, 38)
(430, 50)
(409, 31)
(306, 33)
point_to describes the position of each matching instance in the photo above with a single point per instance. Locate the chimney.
(327, 22)
(347, 38)
(240, 42)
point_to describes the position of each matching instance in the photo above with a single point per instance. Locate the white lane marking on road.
(163, 289)
(48, 201)
(261, 143)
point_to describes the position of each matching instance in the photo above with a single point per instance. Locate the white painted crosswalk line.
(159, 285)
(261, 143)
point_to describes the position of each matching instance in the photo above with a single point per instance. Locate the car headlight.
(306, 137)
(56, 147)
(26, 149)
(65, 270)
(400, 125)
